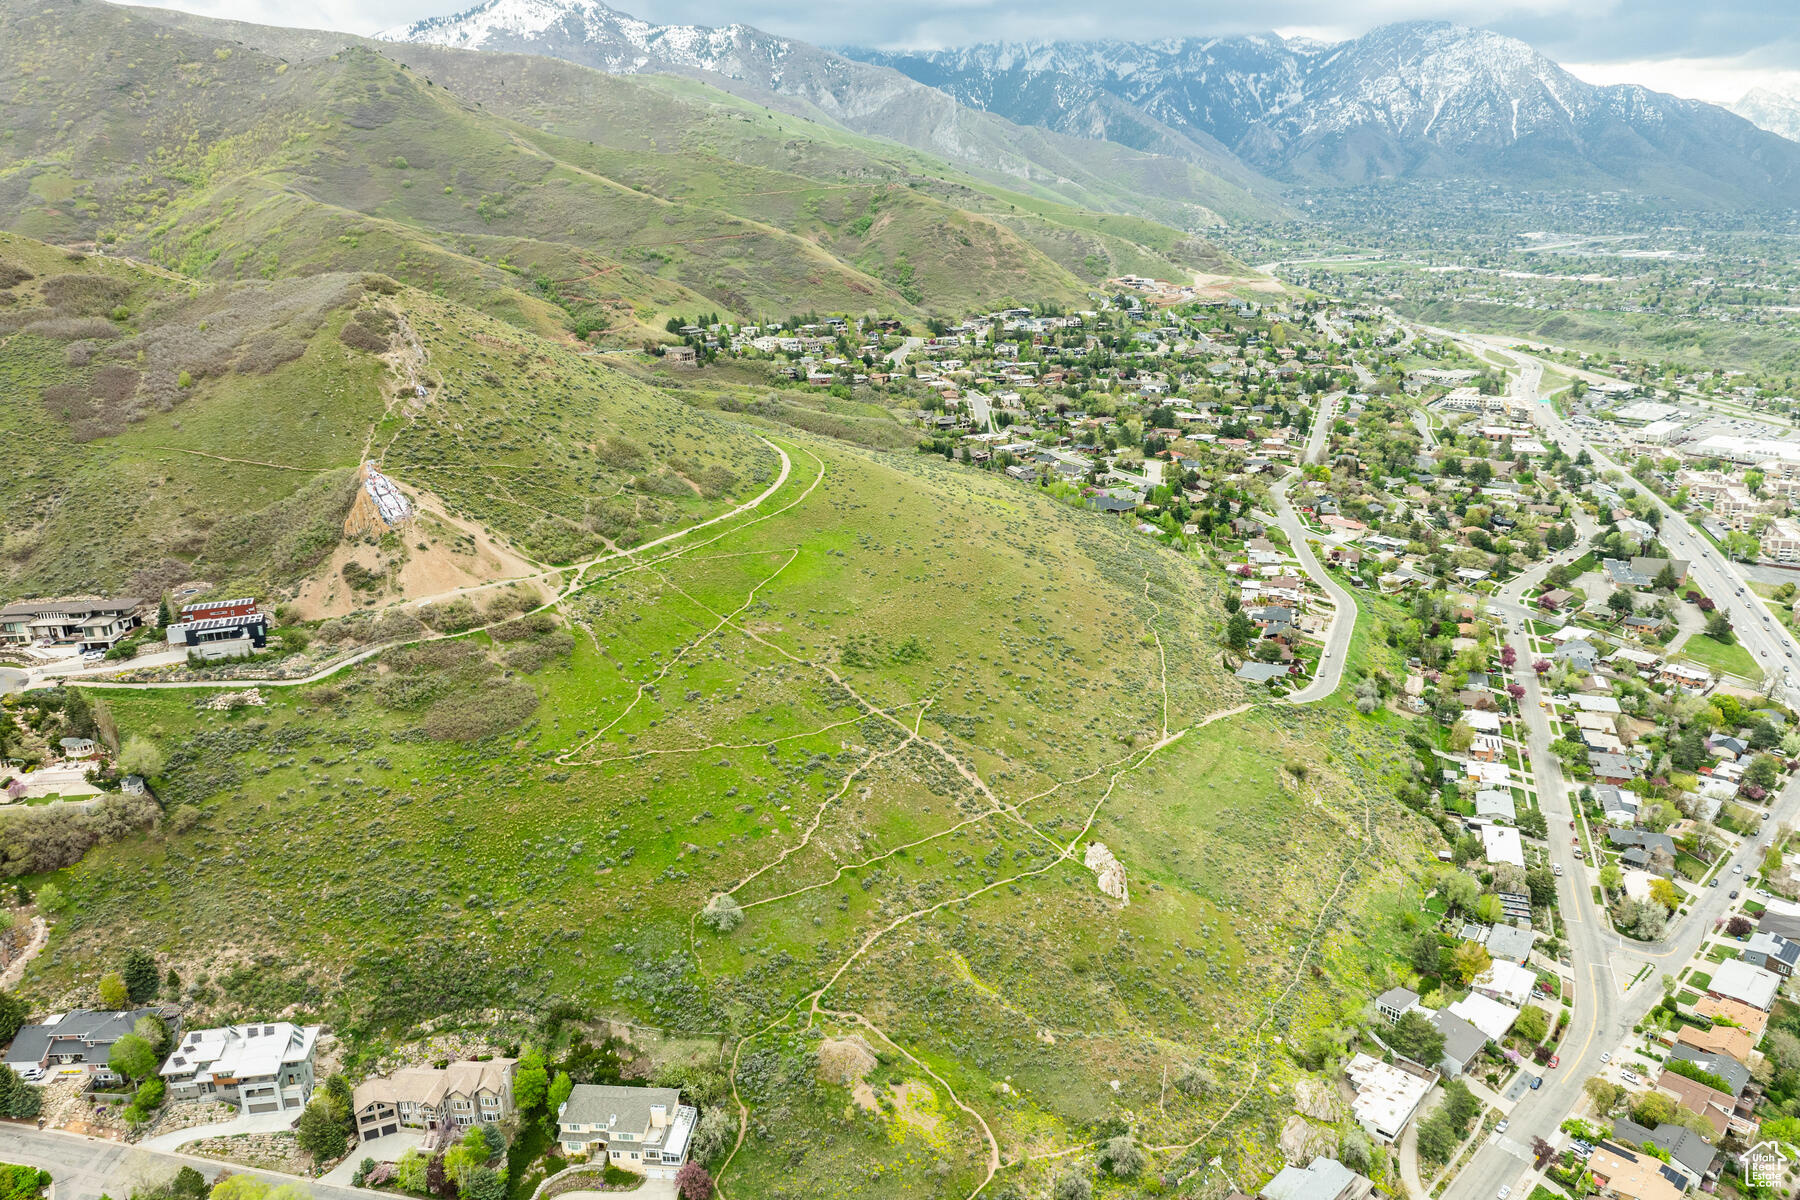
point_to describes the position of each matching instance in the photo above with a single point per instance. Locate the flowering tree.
(1508, 656)
(1516, 691)
(1541, 665)
(694, 1182)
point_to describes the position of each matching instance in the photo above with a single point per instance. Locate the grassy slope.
(222, 161)
(547, 448)
(672, 757)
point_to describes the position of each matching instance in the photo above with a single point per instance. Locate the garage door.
(389, 1129)
(271, 1106)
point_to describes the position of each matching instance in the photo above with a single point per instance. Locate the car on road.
(1737, 868)
(1555, 1061)
(1734, 892)
(1505, 1191)
(1714, 882)
(1557, 867)
(93, 656)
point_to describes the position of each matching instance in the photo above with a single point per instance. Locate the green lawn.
(1716, 656)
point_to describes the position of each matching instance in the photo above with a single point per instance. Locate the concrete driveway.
(273, 1122)
(383, 1149)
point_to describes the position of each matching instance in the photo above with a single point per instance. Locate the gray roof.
(1724, 1066)
(1259, 672)
(1684, 1145)
(1399, 999)
(69, 608)
(1648, 839)
(81, 1031)
(1510, 942)
(1462, 1041)
(1322, 1179)
(616, 1107)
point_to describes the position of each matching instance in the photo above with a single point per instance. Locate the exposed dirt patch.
(456, 554)
(915, 1105)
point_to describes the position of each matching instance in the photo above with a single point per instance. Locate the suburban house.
(1731, 1040)
(1633, 1174)
(634, 1128)
(86, 623)
(1716, 1106)
(1462, 1042)
(226, 626)
(1735, 979)
(1396, 1003)
(1322, 1179)
(1772, 952)
(259, 1068)
(419, 1097)
(78, 1038)
(1387, 1095)
(1688, 1152)
(1640, 847)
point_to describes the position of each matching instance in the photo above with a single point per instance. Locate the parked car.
(32, 1074)
(1734, 893)
(1555, 1061)
(1501, 1127)
(1537, 1081)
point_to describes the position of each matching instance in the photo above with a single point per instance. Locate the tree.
(1763, 772)
(49, 898)
(715, 1132)
(1459, 889)
(113, 992)
(1356, 1152)
(1718, 628)
(1651, 1109)
(1073, 1186)
(484, 1183)
(1121, 1158)
(409, 1171)
(140, 976)
(240, 1187)
(152, 1029)
(139, 756)
(1533, 1023)
(560, 1087)
(722, 913)
(1238, 631)
(133, 1057)
(321, 1135)
(467, 1156)
(531, 1083)
(18, 1098)
(1462, 736)
(1664, 893)
(1427, 953)
(1470, 960)
(1620, 603)
(12, 1015)
(1417, 1038)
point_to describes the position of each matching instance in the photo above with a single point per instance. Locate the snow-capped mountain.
(1414, 99)
(800, 78)
(1773, 111)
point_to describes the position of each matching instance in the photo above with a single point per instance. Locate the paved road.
(86, 1168)
(898, 355)
(1603, 963)
(1321, 427)
(1773, 648)
(1343, 623)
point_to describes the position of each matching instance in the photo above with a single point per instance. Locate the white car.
(32, 1074)
(1737, 868)
(93, 656)
(1505, 1191)
(1606, 1058)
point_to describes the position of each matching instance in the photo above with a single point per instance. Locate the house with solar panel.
(215, 629)
(260, 1068)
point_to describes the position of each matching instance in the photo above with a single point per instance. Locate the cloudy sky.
(1706, 49)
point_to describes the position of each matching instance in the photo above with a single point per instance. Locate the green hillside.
(161, 430)
(888, 712)
(467, 173)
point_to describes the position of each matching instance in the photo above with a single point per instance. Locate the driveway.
(383, 1149)
(273, 1122)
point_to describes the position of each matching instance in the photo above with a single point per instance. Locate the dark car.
(1734, 893)
(1537, 1081)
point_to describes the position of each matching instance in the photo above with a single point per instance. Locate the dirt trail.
(15, 970)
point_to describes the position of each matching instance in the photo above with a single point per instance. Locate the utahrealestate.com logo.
(1765, 1165)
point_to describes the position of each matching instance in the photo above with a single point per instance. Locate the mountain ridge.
(1178, 178)
(1421, 99)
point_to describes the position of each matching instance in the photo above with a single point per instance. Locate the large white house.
(635, 1128)
(261, 1068)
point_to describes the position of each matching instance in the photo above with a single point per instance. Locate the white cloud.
(1716, 80)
